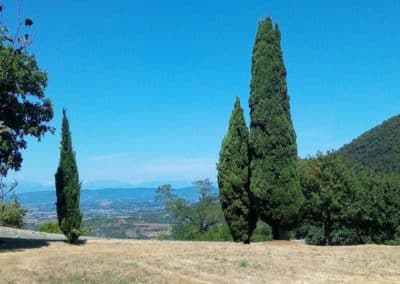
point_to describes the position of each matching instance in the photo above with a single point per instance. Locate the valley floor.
(131, 261)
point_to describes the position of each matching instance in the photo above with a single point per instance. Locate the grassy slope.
(118, 261)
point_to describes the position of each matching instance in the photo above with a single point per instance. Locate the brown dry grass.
(114, 261)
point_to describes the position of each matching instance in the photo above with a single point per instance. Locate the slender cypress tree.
(272, 141)
(233, 178)
(68, 187)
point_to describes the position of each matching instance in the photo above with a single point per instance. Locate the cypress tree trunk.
(274, 180)
(279, 233)
(233, 178)
(327, 233)
(68, 187)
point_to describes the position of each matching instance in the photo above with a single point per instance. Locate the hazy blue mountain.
(136, 195)
(24, 186)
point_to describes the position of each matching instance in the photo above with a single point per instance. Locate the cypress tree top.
(273, 151)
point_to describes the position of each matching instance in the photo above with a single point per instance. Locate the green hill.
(378, 148)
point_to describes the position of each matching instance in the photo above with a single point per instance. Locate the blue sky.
(149, 85)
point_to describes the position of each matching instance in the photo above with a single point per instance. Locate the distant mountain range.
(137, 195)
(27, 186)
(377, 148)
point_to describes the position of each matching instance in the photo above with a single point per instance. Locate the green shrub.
(393, 242)
(243, 263)
(12, 214)
(218, 232)
(262, 233)
(50, 227)
(314, 235)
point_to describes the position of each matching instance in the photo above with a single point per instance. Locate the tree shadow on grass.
(18, 244)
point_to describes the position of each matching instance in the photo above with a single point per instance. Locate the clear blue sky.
(149, 85)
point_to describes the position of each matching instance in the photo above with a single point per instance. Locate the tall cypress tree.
(272, 141)
(68, 187)
(233, 178)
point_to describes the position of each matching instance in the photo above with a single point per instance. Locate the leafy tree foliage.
(274, 177)
(331, 203)
(378, 148)
(204, 188)
(6, 189)
(379, 216)
(164, 193)
(68, 187)
(344, 205)
(24, 109)
(12, 213)
(233, 178)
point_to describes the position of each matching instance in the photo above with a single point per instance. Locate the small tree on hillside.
(205, 207)
(204, 187)
(233, 178)
(68, 187)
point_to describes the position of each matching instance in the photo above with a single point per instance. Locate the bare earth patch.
(130, 261)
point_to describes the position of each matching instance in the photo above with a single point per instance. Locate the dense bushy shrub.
(50, 227)
(379, 216)
(262, 232)
(12, 214)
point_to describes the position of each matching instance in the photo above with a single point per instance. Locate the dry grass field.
(118, 261)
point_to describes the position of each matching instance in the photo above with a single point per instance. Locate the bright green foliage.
(379, 217)
(273, 151)
(24, 109)
(262, 232)
(233, 178)
(378, 148)
(12, 213)
(50, 227)
(68, 187)
(331, 200)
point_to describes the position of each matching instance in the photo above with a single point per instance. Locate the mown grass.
(114, 261)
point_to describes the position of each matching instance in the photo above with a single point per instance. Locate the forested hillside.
(378, 148)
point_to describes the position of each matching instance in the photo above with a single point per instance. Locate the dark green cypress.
(272, 142)
(233, 178)
(68, 187)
